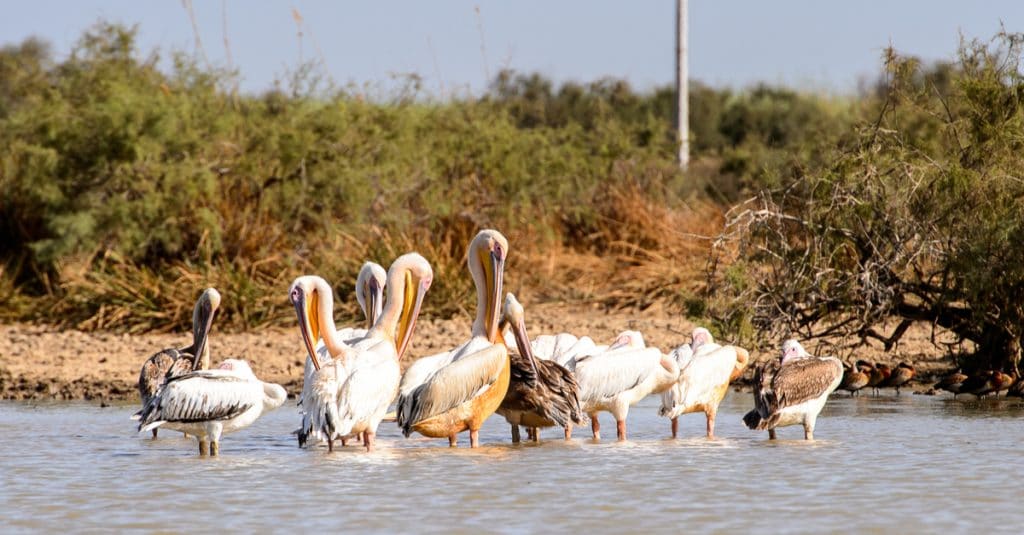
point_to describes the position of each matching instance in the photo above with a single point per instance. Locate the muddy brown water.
(885, 464)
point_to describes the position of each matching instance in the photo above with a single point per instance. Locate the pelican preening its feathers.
(348, 394)
(792, 390)
(446, 394)
(174, 362)
(541, 393)
(705, 371)
(318, 305)
(208, 403)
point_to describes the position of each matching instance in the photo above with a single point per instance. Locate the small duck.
(1002, 381)
(980, 383)
(1016, 389)
(900, 376)
(854, 378)
(953, 383)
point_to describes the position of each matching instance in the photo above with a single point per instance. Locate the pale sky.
(823, 45)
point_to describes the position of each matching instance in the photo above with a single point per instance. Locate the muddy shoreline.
(43, 362)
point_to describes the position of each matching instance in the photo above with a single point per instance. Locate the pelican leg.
(675, 426)
(214, 448)
(368, 440)
(620, 429)
(515, 433)
(154, 433)
(453, 440)
(330, 444)
(344, 441)
(711, 422)
(595, 426)
(474, 438)
(771, 434)
(536, 434)
(568, 431)
(204, 448)
(809, 429)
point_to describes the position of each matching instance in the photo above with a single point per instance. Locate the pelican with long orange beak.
(446, 394)
(349, 395)
(370, 285)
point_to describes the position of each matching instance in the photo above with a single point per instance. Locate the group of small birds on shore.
(352, 376)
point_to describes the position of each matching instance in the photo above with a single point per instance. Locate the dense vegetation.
(124, 189)
(920, 219)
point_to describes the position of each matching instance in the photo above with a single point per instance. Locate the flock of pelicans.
(352, 375)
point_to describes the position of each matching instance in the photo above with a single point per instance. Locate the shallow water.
(886, 464)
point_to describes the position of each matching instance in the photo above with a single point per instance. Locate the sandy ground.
(40, 362)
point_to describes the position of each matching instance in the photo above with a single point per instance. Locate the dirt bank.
(39, 362)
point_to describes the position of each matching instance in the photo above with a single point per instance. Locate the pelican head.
(202, 322)
(304, 294)
(514, 316)
(701, 336)
(792, 350)
(629, 339)
(486, 259)
(370, 291)
(408, 280)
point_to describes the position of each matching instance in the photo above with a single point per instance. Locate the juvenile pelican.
(445, 394)
(209, 403)
(173, 362)
(792, 390)
(370, 285)
(541, 393)
(705, 370)
(620, 377)
(349, 395)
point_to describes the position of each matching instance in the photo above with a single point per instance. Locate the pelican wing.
(805, 379)
(452, 386)
(320, 405)
(602, 377)
(199, 397)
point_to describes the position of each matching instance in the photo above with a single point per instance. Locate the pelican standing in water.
(349, 395)
(792, 390)
(209, 403)
(619, 378)
(446, 394)
(370, 284)
(541, 393)
(173, 362)
(705, 371)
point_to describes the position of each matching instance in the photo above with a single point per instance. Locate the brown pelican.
(901, 375)
(173, 362)
(541, 393)
(349, 395)
(705, 370)
(209, 403)
(792, 390)
(369, 291)
(443, 395)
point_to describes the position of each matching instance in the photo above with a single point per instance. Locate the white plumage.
(705, 370)
(209, 403)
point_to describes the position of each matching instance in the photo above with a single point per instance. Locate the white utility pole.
(682, 86)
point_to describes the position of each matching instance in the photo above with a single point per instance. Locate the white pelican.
(792, 390)
(705, 370)
(561, 348)
(209, 403)
(172, 362)
(369, 291)
(349, 395)
(620, 377)
(541, 393)
(443, 395)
